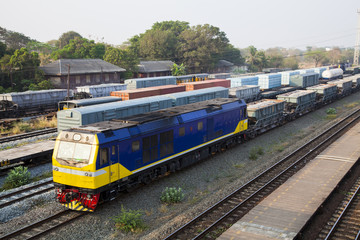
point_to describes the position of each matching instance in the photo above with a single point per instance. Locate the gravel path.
(204, 184)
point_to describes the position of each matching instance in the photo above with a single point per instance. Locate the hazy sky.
(262, 23)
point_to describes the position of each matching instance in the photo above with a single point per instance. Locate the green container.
(265, 108)
(298, 97)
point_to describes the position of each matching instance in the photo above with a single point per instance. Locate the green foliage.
(331, 111)
(176, 27)
(17, 177)
(122, 57)
(172, 195)
(158, 44)
(130, 220)
(178, 70)
(80, 48)
(13, 40)
(2, 49)
(315, 56)
(256, 59)
(66, 37)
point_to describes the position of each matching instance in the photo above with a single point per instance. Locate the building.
(154, 69)
(82, 72)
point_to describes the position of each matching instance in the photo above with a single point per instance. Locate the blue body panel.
(215, 124)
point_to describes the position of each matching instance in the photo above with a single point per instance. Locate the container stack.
(206, 84)
(269, 81)
(303, 71)
(286, 76)
(320, 70)
(242, 81)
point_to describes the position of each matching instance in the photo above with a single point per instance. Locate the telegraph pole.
(68, 82)
(357, 46)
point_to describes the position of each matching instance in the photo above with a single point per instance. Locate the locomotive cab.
(73, 165)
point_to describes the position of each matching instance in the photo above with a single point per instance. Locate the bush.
(331, 111)
(17, 177)
(129, 220)
(254, 152)
(172, 195)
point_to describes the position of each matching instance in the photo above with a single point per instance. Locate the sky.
(261, 23)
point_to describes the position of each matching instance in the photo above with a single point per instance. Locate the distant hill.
(14, 40)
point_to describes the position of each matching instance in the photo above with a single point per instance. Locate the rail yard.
(202, 195)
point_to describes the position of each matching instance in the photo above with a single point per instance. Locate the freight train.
(95, 162)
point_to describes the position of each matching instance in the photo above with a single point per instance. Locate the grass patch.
(239, 165)
(28, 126)
(255, 152)
(130, 221)
(331, 116)
(172, 195)
(42, 176)
(17, 177)
(351, 105)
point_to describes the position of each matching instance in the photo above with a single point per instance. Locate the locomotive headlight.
(77, 137)
(88, 174)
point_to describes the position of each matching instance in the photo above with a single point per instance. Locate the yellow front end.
(77, 166)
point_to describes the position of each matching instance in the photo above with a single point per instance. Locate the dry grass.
(32, 125)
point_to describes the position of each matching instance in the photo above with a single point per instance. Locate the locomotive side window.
(135, 146)
(113, 150)
(150, 148)
(182, 131)
(166, 143)
(200, 126)
(104, 156)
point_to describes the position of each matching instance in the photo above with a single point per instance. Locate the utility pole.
(68, 82)
(357, 46)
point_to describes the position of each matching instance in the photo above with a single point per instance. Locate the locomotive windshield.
(74, 153)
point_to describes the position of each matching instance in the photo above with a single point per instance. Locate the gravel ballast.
(204, 184)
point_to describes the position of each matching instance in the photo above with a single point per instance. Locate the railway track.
(27, 135)
(218, 218)
(345, 222)
(16, 196)
(44, 226)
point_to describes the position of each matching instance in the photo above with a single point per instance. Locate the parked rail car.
(69, 104)
(102, 112)
(192, 78)
(101, 90)
(332, 74)
(150, 82)
(95, 163)
(17, 104)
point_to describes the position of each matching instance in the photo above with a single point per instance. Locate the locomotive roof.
(125, 122)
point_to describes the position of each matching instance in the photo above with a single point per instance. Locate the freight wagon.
(150, 82)
(102, 90)
(68, 104)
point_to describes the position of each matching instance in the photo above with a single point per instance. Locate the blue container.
(242, 81)
(269, 81)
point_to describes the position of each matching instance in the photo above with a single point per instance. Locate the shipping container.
(86, 102)
(299, 101)
(220, 83)
(183, 98)
(150, 82)
(320, 70)
(304, 71)
(247, 92)
(243, 81)
(219, 76)
(197, 85)
(305, 80)
(147, 92)
(286, 76)
(101, 90)
(269, 81)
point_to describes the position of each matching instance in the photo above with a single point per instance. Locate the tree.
(122, 58)
(291, 62)
(2, 49)
(178, 70)
(256, 59)
(315, 56)
(80, 48)
(66, 37)
(176, 27)
(13, 40)
(201, 47)
(233, 55)
(158, 45)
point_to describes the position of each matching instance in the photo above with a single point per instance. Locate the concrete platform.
(26, 152)
(283, 213)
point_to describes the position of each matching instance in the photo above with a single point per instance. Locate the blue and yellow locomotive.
(94, 163)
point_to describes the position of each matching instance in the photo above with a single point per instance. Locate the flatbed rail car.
(96, 162)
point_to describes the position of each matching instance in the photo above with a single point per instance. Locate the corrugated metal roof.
(80, 66)
(155, 66)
